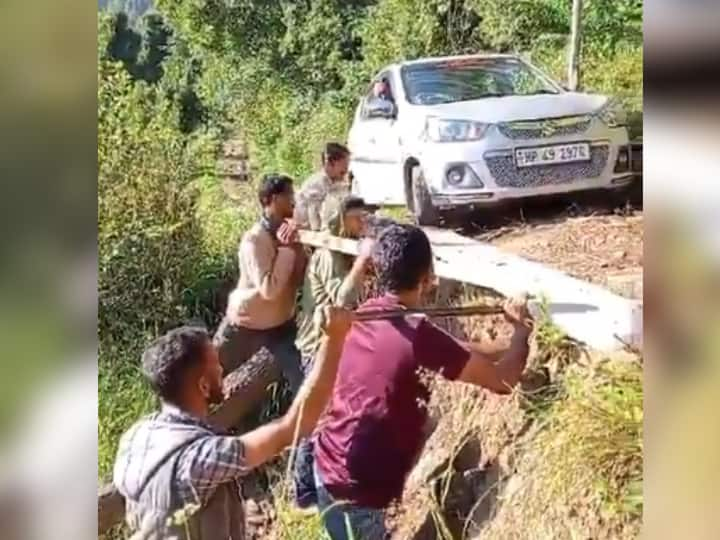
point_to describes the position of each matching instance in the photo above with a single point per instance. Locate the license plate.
(544, 155)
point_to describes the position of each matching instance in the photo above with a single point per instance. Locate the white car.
(465, 132)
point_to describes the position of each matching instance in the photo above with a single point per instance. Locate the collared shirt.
(310, 198)
(324, 285)
(265, 296)
(211, 457)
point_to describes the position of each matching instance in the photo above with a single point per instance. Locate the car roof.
(454, 57)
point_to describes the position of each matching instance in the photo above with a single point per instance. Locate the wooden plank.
(585, 312)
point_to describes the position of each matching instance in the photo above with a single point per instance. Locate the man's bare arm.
(497, 369)
(354, 279)
(492, 351)
(267, 441)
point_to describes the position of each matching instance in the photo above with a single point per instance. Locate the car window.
(379, 89)
(449, 81)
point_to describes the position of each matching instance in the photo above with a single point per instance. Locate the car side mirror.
(380, 108)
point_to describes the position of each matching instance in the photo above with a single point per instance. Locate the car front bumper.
(495, 177)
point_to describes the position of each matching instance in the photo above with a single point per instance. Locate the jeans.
(304, 476)
(345, 521)
(237, 344)
(304, 466)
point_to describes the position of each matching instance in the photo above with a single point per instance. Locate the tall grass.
(581, 473)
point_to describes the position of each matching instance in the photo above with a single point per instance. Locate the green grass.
(124, 397)
(398, 213)
(586, 457)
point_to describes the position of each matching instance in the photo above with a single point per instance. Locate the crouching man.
(332, 278)
(373, 431)
(174, 460)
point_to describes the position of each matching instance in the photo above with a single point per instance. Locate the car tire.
(420, 202)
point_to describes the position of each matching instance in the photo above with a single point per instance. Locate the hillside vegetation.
(178, 80)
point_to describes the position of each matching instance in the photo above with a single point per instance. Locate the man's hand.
(500, 370)
(287, 233)
(337, 321)
(365, 251)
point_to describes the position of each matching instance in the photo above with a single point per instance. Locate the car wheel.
(424, 211)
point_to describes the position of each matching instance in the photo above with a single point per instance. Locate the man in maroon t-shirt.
(373, 430)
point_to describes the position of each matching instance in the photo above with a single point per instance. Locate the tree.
(575, 46)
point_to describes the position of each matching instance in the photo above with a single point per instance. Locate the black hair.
(377, 224)
(271, 185)
(333, 152)
(402, 256)
(352, 202)
(168, 359)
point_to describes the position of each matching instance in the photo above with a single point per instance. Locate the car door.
(376, 154)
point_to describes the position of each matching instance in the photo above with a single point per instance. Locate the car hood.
(510, 108)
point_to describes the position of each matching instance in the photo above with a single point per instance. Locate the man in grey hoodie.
(179, 475)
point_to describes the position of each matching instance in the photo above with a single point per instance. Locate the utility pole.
(575, 43)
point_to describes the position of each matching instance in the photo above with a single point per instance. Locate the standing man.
(329, 180)
(332, 279)
(173, 462)
(372, 433)
(261, 309)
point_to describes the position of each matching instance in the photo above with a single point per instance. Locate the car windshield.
(450, 81)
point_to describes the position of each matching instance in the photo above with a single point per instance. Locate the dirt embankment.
(587, 237)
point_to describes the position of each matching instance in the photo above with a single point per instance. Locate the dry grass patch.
(580, 474)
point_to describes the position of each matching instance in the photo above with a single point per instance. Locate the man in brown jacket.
(261, 309)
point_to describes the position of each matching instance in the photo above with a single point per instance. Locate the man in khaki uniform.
(327, 181)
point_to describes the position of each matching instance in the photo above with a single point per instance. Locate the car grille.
(507, 174)
(548, 127)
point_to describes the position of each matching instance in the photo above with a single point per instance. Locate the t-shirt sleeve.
(438, 351)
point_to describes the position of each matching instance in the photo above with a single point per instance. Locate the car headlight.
(612, 114)
(442, 130)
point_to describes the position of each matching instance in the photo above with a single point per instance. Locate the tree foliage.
(288, 74)
(301, 59)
